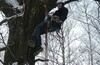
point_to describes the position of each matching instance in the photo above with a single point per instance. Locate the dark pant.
(43, 28)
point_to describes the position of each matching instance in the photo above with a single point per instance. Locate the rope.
(46, 34)
(46, 10)
(46, 45)
(59, 35)
(46, 29)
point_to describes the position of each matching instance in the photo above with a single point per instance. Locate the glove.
(58, 30)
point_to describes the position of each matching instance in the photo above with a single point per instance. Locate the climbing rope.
(58, 33)
(46, 34)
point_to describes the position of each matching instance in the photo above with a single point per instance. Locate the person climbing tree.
(51, 24)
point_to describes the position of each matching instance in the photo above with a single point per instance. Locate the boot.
(37, 50)
(31, 43)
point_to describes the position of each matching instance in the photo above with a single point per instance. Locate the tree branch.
(2, 49)
(8, 47)
(69, 1)
(41, 60)
(2, 62)
(13, 16)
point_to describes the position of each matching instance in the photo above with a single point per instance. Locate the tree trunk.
(20, 30)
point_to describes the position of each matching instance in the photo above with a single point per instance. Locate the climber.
(52, 24)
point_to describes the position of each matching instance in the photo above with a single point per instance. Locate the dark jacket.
(62, 13)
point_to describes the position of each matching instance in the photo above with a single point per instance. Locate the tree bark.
(21, 28)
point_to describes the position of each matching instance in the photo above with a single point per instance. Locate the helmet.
(59, 1)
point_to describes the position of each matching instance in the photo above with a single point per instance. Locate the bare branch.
(69, 1)
(7, 47)
(13, 16)
(2, 62)
(2, 49)
(41, 60)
